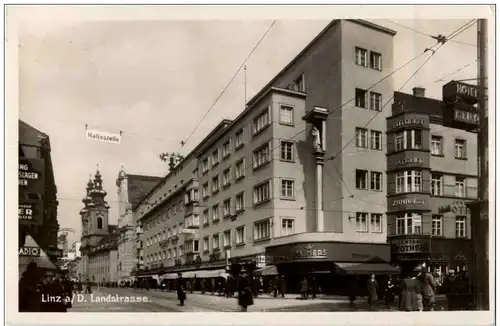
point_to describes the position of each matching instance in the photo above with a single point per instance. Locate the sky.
(154, 80)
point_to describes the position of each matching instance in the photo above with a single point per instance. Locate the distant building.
(99, 241)
(37, 191)
(131, 189)
(75, 247)
(431, 177)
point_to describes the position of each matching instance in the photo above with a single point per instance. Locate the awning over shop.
(367, 268)
(171, 276)
(266, 271)
(42, 260)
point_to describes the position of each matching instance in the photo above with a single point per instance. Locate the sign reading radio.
(408, 201)
(29, 251)
(406, 122)
(308, 252)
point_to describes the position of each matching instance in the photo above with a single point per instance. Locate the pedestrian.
(410, 288)
(353, 289)
(88, 287)
(275, 286)
(304, 288)
(203, 285)
(282, 286)
(389, 292)
(29, 292)
(428, 290)
(181, 290)
(372, 288)
(314, 287)
(245, 297)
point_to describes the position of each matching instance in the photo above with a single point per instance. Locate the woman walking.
(245, 295)
(372, 290)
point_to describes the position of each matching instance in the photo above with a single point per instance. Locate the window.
(286, 153)
(287, 226)
(215, 157)
(240, 203)
(205, 216)
(460, 147)
(299, 84)
(206, 245)
(174, 252)
(204, 166)
(215, 212)
(226, 149)
(436, 145)
(261, 155)
(286, 115)
(460, 186)
(375, 101)
(205, 190)
(408, 139)
(99, 223)
(437, 225)
(262, 192)
(240, 235)
(409, 181)
(238, 139)
(376, 222)
(409, 223)
(360, 98)
(362, 137)
(287, 189)
(215, 184)
(261, 122)
(240, 169)
(376, 140)
(375, 60)
(376, 181)
(226, 207)
(196, 246)
(460, 226)
(227, 238)
(262, 230)
(436, 185)
(361, 222)
(215, 241)
(226, 177)
(361, 57)
(181, 250)
(362, 179)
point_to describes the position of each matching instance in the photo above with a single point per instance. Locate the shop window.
(361, 222)
(437, 225)
(460, 226)
(409, 223)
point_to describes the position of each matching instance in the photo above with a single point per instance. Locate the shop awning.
(367, 268)
(266, 271)
(171, 276)
(43, 261)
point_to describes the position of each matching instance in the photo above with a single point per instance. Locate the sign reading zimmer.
(106, 137)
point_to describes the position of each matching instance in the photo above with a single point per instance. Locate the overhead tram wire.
(228, 84)
(452, 35)
(457, 32)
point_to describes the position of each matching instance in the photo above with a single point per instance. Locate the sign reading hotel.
(310, 252)
(457, 90)
(106, 137)
(29, 251)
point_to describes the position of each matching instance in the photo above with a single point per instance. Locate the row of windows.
(170, 212)
(368, 138)
(368, 180)
(411, 223)
(368, 222)
(286, 117)
(460, 146)
(368, 100)
(411, 181)
(412, 139)
(374, 60)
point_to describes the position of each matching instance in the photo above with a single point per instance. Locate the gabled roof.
(139, 186)
(29, 135)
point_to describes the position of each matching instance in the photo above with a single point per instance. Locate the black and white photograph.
(213, 162)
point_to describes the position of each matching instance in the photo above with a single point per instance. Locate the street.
(158, 301)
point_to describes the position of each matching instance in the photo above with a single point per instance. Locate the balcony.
(192, 221)
(191, 209)
(191, 196)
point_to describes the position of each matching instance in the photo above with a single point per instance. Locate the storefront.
(330, 264)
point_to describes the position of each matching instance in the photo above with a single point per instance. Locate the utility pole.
(479, 209)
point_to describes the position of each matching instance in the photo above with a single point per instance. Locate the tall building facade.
(296, 180)
(131, 188)
(431, 177)
(37, 191)
(99, 240)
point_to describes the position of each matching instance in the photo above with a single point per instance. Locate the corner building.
(263, 189)
(431, 176)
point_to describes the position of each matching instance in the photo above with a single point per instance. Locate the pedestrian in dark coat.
(372, 288)
(282, 286)
(304, 288)
(353, 289)
(181, 290)
(29, 293)
(314, 287)
(428, 290)
(245, 297)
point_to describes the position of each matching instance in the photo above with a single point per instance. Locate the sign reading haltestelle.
(103, 136)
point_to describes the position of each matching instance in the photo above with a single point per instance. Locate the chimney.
(419, 91)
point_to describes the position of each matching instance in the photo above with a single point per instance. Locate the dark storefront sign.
(408, 159)
(411, 245)
(431, 249)
(467, 117)
(408, 202)
(458, 207)
(459, 110)
(407, 121)
(30, 212)
(30, 175)
(29, 251)
(455, 90)
(327, 251)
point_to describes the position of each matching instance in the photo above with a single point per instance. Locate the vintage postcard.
(241, 160)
